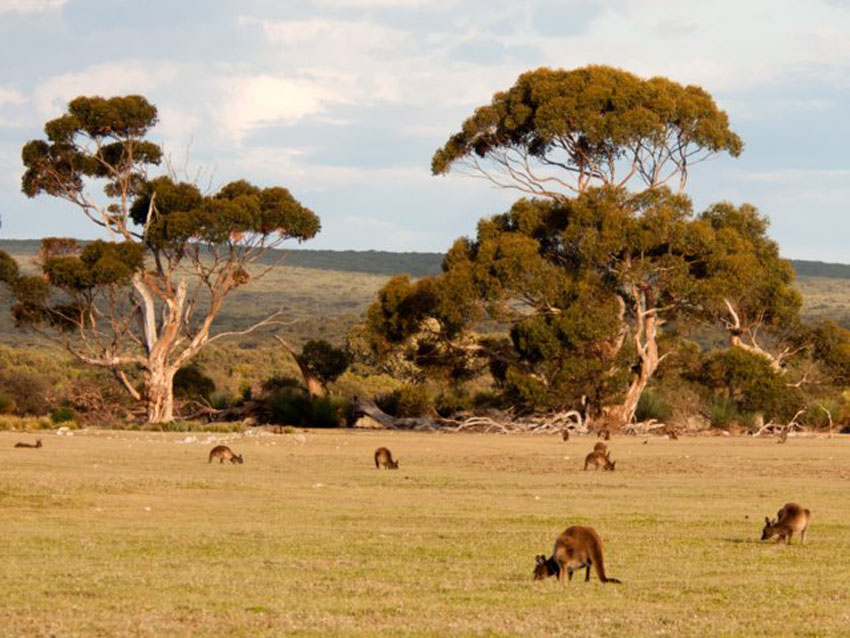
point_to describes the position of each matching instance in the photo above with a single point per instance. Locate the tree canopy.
(557, 132)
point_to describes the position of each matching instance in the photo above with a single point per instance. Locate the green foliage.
(410, 400)
(831, 349)
(588, 119)
(116, 125)
(652, 405)
(63, 415)
(7, 403)
(9, 271)
(747, 381)
(722, 412)
(742, 265)
(29, 391)
(190, 382)
(324, 360)
(292, 406)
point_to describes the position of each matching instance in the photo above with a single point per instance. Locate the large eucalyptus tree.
(145, 298)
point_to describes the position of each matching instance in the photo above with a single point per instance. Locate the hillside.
(324, 292)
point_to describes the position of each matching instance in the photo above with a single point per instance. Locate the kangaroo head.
(393, 465)
(769, 528)
(238, 459)
(541, 567)
(38, 442)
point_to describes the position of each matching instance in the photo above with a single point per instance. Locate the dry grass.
(121, 533)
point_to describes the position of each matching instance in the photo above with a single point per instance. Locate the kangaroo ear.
(766, 521)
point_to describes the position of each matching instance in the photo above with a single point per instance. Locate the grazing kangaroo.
(604, 434)
(600, 458)
(22, 444)
(791, 518)
(577, 547)
(384, 459)
(224, 453)
(600, 446)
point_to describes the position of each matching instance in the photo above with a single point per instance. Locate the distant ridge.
(378, 262)
(820, 269)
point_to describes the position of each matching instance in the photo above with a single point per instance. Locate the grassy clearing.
(133, 533)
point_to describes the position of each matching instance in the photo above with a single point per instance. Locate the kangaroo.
(600, 446)
(384, 459)
(600, 458)
(604, 434)
(577, 547)
(224, 453)
(791, 518)
(565, 435)
(22, 444)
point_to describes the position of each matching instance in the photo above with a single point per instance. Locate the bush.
(292, 406)
(190, 382)
(652, 405)
(28, 391)
(448, 403)
(63, 415)
(817, 418)
(722, 412)
(7, 404)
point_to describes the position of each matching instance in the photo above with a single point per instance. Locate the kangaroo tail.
(599, 564)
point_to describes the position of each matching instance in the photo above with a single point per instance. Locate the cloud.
(265, 99)
(30, 6)
(51, 96)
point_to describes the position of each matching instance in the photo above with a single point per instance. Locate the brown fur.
(565, 435)
(600, 458)
(578, 547)
(604, 434)
(384, 459)
(600, 446)
(22, 444)
(791, 518)
(224, 453)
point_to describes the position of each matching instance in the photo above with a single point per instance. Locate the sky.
(345, 101)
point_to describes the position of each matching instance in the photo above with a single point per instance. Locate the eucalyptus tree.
(604, 252)
(144, 299)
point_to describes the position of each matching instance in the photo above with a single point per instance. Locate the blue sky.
(344, 101)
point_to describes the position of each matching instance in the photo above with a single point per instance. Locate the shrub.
(448, 403)
(414, 400)
(292, 406)
(63, 415)
(28, 391)
(652, 405)
(190, 382)
(7, 404)
(722, 412)
(817, 418)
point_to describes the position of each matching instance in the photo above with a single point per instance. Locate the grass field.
(119, 533)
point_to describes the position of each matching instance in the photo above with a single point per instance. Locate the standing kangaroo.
(224, 453)
(22, 444)
(384, 459)
(601, 458)
(577, 547)
(791, 518)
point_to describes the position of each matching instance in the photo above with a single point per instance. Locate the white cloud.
(266, 99)
(30, 6)
(114, 78)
